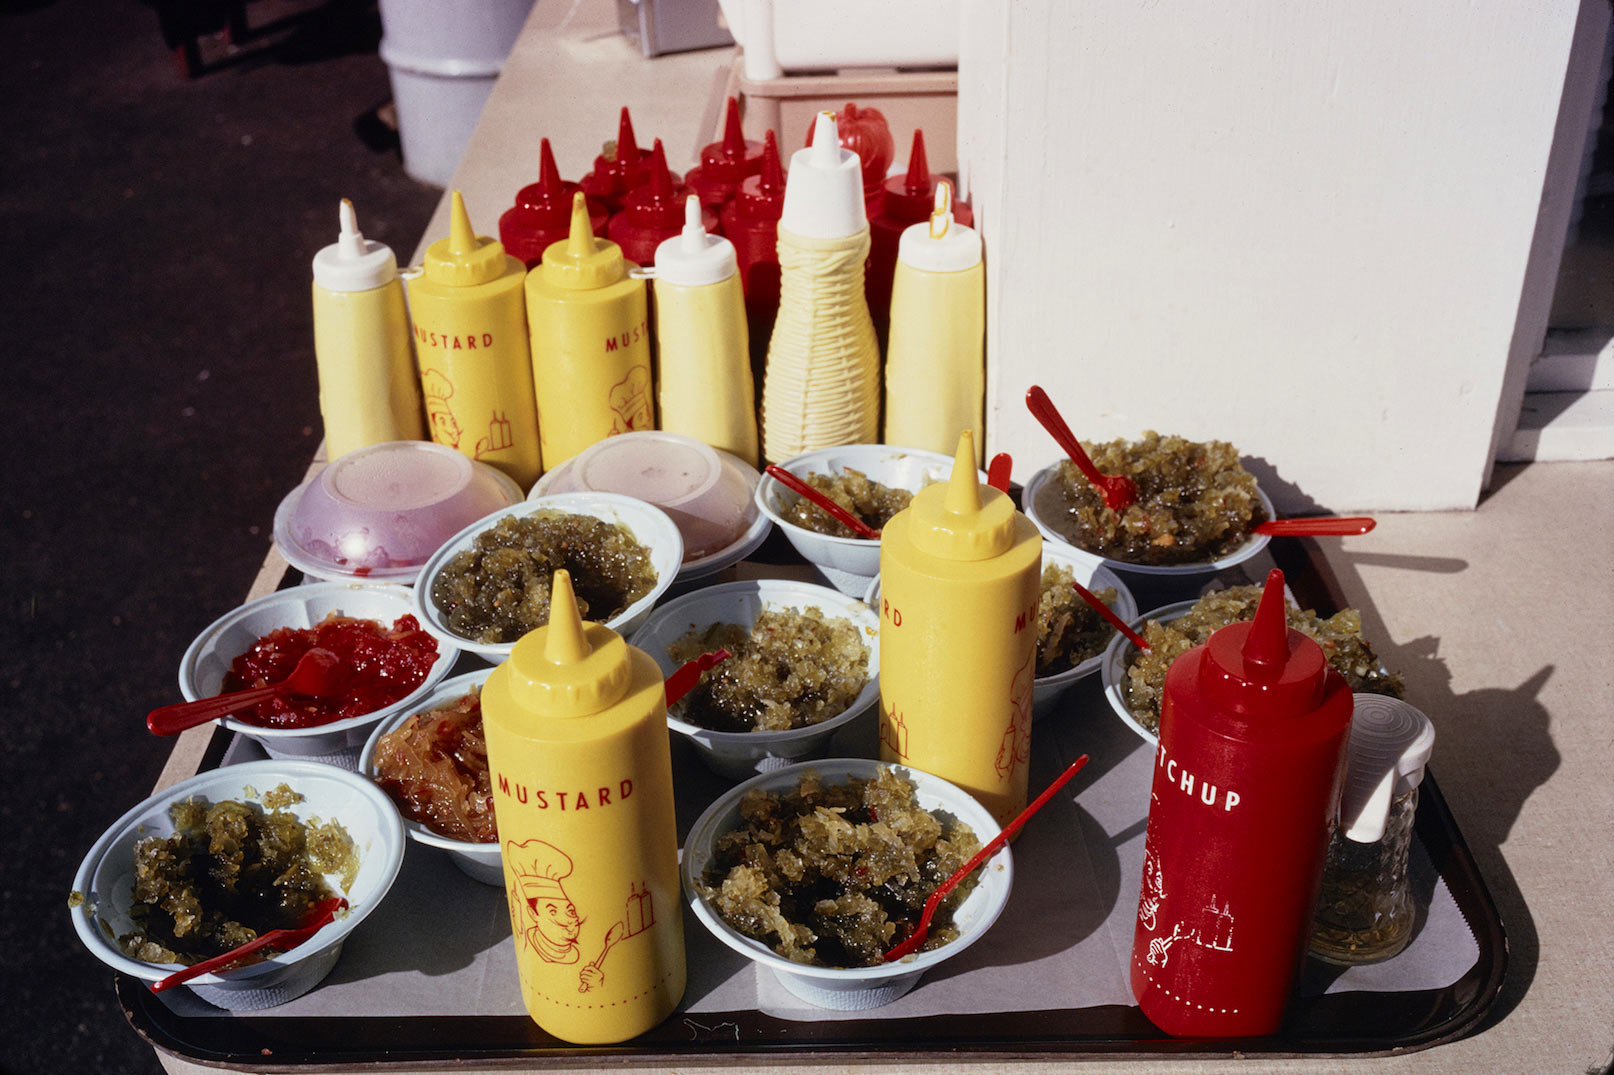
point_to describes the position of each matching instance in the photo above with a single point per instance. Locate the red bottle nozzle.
(772, 179)
(733, 135)
(618, 168)
(627, 146)
(653, 212)
(550, 194)
(548, 172)
(725, 163)
(909, 199)
(1266, 650)
(658, 193)
(762, 196)
(542, 213)
(1263, 668)
(917, 181)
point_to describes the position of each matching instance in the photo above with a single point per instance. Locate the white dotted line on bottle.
(1180, 999)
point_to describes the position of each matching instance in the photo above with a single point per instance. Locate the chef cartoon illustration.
(1015, 749)
(445, 428)
(552, 926)
(630, 401)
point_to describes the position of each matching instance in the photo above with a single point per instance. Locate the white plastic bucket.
(442, 57)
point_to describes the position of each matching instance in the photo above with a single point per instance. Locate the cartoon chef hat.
(540, 866)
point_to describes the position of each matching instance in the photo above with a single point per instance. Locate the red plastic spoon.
(318, 675)
(1118, 490)
(990, 848)
(997, 472)
(1109, 614)
(1320, 526)
(283, 939)
(688, 674)
(840, 514)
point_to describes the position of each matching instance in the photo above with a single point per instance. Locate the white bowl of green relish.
(104, 887)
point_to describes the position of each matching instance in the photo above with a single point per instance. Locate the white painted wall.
(1303, 228)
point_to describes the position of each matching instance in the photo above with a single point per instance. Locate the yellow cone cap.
(568, 668)
(583, 262)
(464, 259)
(961, 519)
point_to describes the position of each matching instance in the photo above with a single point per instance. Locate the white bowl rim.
(449, 690)
(1251, 546)
(831, 768)
(584, 503)
(856, 611)
(802, 465)
(447, 654)
(390, 844)
(313, 567)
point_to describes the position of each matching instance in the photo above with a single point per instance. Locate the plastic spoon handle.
(1118, 490)
(987, 851)
(317, 674)
(840, 514)
(1321, 526)
(688, 674)
(1109, 614)
(997, 472)
(284, 939)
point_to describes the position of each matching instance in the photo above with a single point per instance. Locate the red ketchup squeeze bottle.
(620, 168)
(751, 223)
(1253, 727)
(909, 200)
(725, 164)
(543, 213)
(653, 213)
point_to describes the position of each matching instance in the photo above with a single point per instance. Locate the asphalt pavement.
(157, 233)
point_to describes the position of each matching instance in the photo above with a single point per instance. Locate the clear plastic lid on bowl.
(706, 492)
(378, 513)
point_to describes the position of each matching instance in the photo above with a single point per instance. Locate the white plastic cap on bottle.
(940, 244)
(824, 193)
(695, 256)
(354, 263)
(1389, 747)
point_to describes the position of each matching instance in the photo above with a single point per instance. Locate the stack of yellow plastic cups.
(821, 386)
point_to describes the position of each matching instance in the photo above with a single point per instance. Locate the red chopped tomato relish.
(379, 667)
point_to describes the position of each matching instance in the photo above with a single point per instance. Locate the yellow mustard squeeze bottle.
(960, 574)
(821, 385)
(471, 344)
(578, 755)
(368, 392)
(590, 342)
(704, 387)
(935, 368)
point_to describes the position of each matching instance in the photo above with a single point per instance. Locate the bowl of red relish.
(431, 760)
(388, 661)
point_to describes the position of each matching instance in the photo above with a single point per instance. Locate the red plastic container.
(908, 201)
(725, 164)
(653, 212)
(751, 223)
(543, 212)
(1247, 778)
(622, 167)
